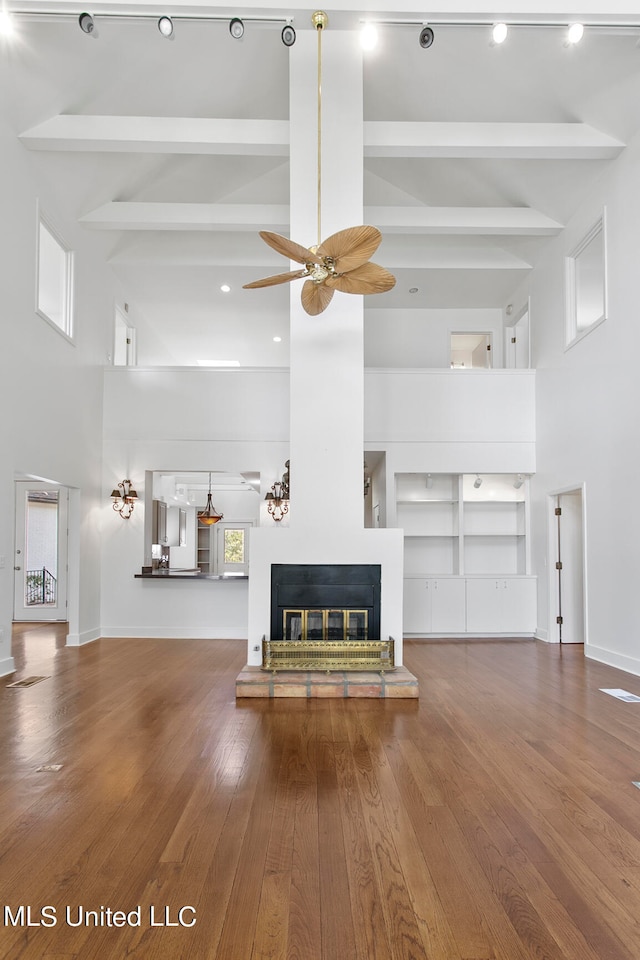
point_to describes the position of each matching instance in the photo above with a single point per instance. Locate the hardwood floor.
(493, 819)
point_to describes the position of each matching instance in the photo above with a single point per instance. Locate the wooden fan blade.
(288, 248)
(278, 278)
(352, 247)
(369, 278)
(316, 297)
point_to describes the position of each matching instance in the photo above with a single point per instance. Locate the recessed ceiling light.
(225, 288)
(277, 339)
(413, 289)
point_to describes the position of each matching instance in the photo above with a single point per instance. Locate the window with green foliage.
(234, 545)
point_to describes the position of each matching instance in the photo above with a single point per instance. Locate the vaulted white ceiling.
(176, 153)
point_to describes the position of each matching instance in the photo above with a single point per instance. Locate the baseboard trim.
(467, 636)
(7, 666)
(619, 660)
(80, 639)
(171, 633)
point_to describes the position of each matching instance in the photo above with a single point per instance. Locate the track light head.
(165, 26)
(86, 23)
(426, 37)
(288, 35)
(236, 28)
(478, 481)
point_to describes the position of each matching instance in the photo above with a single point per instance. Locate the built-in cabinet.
(466, 559)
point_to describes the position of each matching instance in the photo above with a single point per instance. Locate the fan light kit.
(341, 262)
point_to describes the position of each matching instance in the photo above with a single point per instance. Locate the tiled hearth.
(396, 684)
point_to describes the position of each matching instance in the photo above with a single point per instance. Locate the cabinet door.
(501, 605)
(447, 605)
(416, 606)
(484, 605)
(519, 613)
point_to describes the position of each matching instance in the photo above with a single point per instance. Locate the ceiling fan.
(342, 261)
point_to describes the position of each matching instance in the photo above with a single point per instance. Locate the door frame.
(553, 633)
(40, 614)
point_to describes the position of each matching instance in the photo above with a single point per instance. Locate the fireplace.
(326, 617)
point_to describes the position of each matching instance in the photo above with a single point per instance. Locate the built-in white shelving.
(466, 553)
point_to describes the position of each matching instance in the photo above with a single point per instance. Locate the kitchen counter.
(187, 574)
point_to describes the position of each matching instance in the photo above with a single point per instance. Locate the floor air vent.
(26, 682)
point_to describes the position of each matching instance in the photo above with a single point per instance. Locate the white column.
(327, 350)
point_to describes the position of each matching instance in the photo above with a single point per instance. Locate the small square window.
(586, 280)
(54, 298)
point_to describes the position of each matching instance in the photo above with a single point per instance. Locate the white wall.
(588, 398)
(422, 338)
(51, 390)
(183, 420)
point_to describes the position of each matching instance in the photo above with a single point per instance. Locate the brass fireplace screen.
(323, 625)
(331, 639)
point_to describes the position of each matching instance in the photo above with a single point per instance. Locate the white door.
(571, 573)
(124, 342)
(516, 346)
(40, 563)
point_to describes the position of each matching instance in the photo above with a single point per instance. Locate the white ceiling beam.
(193, 135)
(200, 135)
(124, 215)
(506, 221)
(134, 215)
(520, 141)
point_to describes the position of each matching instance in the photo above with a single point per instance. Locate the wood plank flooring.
(493, 819)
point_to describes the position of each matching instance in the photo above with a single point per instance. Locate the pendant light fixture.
(209, 515)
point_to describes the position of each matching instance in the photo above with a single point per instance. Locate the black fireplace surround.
(322, 586)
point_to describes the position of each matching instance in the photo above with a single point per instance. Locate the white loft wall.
(422, 338)
(588, 398)
(51, 390)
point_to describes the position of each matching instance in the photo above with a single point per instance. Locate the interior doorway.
(40, 561)
(517, 342)
(124, 344)
(471, 351)
(567, 543)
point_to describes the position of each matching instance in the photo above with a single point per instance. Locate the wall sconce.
(278, 497)
(124, 499)
(209, 515)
